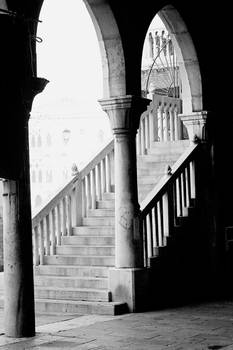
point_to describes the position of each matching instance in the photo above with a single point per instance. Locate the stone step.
(110, 204)
(169, 146)
(75, 294)
(77, 271)
(153, 166)
(102, 221)
(144, 180)
(143, 189)
(101, 212)
(79, 260)
(85, 250)
(93, 230)
(80, 307)
(89, 240)
(71, 282)
(153, 171)
(158, 157)
(108, 196)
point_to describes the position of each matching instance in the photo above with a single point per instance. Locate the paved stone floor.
(199, 327)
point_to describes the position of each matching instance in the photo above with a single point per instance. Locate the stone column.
(124, 113)
(18, 266)
(195, 124)
(19, 312)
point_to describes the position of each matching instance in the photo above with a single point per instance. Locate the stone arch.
(187, 57)
(113, 61)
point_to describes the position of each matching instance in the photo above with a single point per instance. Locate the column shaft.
(18, 264)
(128, 242)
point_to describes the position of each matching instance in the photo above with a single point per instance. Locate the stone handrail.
(169, 200)
(160, 122)
(72, 203)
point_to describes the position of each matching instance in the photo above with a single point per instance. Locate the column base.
(130, 285)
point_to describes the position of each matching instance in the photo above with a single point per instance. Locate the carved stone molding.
(195, 124)
(124, 112)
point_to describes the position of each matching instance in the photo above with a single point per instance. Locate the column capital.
(30, 89)
(124, 112)
(195, 124)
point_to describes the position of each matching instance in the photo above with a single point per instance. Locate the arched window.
(49, 140)
(38, 201)
(33, 141)
(39, 141)
(33, 176)
(40, 178)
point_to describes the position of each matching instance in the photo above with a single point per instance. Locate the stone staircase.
(75, 279)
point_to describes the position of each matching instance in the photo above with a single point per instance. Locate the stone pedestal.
(130, 286)
(195, 124)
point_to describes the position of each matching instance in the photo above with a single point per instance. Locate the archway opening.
(169, 63)
(66, 119)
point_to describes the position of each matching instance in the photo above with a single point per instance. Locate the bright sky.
(69, 55)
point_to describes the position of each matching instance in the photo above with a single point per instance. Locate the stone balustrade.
(72, 203)
(160, 122)
(167, 202)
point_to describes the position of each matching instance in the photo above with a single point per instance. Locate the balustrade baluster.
(151, 120)
(160, 123)
(46, 234)
(160, 223)
(88, 188)
(108, 174)
(156, 229)
(103, 175)
(193, 180)
(165, 124)
(74, 205)
(84, 198)
(180, 199)
(188, 185)
(176, 123)
(184, 192)
(98, 182)
(64, 232)
(58, 222)
(41, 241)
(147, 132)
(93, 190)
(52, 233)
(165, 211)
(69, 219)
(139, 141)
(171, 116)
(144, 228)
(36, 258)
(112, 170)
(149, 236)
(153, 230)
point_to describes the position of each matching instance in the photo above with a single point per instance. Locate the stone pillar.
(124, 113)
(19, 312)
(18, 265)
(195, 124)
